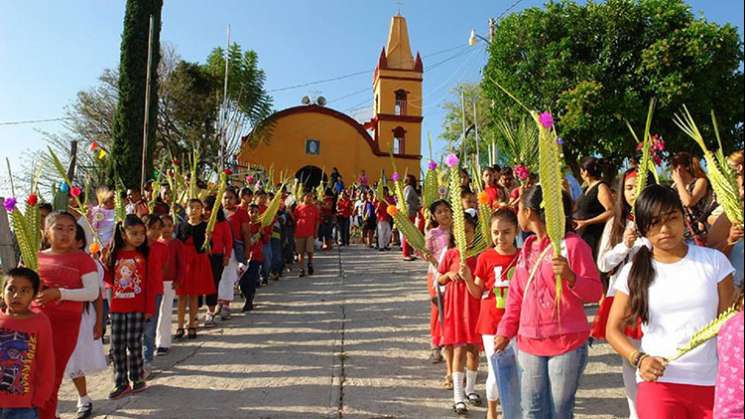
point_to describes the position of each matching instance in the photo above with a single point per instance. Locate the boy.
(307, 218)
(259, 237)
(26, 350)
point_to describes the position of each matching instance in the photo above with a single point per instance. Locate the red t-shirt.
(64, 271)
(157, 261)
(236, 220)
(344, 207)
(131, 291)
(256, 253)
(493, 194)
(515, 194)
(222, 239)
(381, 211)
(27, 361)
(489, 266)
(175, 262)
(307, 217)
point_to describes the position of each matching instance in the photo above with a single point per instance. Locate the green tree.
(129, 117)
(598, 64)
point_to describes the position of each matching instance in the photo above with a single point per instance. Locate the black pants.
(126, 346)
(216, 261)
(249, 281)
(343, 227)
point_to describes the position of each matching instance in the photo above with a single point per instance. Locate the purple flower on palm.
(395, 177)
(559, 141)
(9, 204)
(432, 165)
(546, 119)
(452, 161)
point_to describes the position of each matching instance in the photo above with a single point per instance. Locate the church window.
(312, 147)
(399, 138)
(400, 107)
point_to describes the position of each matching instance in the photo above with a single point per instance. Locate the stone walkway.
(349, 342)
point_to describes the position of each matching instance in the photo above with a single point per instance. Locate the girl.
(69, 278)
(132, 303)
(552, 341)
(729, 392)
(494, 269)
(491, 188)
(197, 275)
(649, 289)
(694, 192)
(88, 357)
(383, 224)
(221, 248)
(437, 240)
(237, 218)
(157, 266)
(618, 245)
(595, 207)
(171, 278)
(461, 314)
(28, 371)
(369, 223)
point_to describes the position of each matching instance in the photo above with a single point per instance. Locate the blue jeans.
(18, 413)
(266, 267)
(548, 384)
(278, 264)
(149, 334)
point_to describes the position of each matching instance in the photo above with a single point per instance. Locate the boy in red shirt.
(307, 217)
(258, 238)
(343, 216)
(26, 352)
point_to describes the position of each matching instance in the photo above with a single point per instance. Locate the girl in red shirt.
(174, 270)
(494, 270)
(461, 314)
(132, 303)
(221, 245)
(157, 266)
(69, 278)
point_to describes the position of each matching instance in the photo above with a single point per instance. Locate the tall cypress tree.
(126, 155)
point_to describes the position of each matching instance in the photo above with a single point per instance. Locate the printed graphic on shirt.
(128, 281)
(17, 352)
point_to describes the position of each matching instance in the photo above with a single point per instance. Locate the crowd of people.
(661, 265)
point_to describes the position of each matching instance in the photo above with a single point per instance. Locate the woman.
(595, 207)
(412, 203)
(694, 192)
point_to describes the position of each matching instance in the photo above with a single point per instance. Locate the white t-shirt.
(682, 299)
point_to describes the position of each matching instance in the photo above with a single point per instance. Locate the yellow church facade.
(309, 139)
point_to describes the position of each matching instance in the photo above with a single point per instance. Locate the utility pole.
(476, 126)
(463, 113)
(146, 124)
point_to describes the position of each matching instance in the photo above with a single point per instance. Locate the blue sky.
(50, 50)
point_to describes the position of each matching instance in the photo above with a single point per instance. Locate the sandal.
(447, 383)
(179, 333)
(192, 333)
(474, 399)
(460, 408)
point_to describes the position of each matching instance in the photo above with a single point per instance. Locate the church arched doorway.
(311, 176)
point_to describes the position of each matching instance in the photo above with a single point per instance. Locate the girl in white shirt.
(674, 289)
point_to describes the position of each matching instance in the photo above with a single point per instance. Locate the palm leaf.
(459, 220)
(646, 160)
(271, 210)
(414, 237)
(215, 208)
(706, 333)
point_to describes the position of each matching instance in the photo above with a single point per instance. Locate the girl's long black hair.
(433, 207)
(210, 203)
(470, 220)
(117, 244)
(653, 205)
(622, 209)
(533, 198)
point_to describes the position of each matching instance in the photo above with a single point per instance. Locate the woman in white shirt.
(674, 289)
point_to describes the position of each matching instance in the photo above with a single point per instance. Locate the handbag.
(508, 381)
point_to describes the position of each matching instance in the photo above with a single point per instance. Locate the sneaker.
(302, 273)
(218, 310)
(436, 356)
(119, 392)
(225, 314)
(161, 351)
(139, 386)
(147, 371)
(84, 411)
(247, 307)
(209, 319)
(310, 269)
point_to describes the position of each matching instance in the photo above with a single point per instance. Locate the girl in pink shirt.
(552, 341)
(729, 391)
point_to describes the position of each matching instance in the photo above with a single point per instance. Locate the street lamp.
(474, 38)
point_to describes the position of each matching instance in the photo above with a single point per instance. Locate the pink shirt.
(436, 240)
(532, 317)
(730, 390)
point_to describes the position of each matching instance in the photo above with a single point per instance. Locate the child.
(461, 315)
(250, 278)
(343, 217)
(26, 348)
(618, 244)
(266, 268)
(437, 240)
(383, 223)
(328, 219)
(307, 218)
(237, 218)
(174, 270)
(470, 203)
(552, 341)
(494, 270)
(490, 187)
(729, 392)
(197, 274)
(69, 277)
(649, 288)
(88, 357)
(132, 303)
(157, 262)
(369, 223)
(221, 245)
(102, 215)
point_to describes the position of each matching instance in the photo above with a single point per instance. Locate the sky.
(50, 50)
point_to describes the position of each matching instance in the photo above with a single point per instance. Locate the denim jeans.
(278, 264)
(548, 384)
(266, 267)
(149, 333)
(18, 413)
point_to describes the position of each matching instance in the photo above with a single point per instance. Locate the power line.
(517, 2)
(33, 121)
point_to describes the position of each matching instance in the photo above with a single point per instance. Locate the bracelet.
(642, 357)
(631, 358)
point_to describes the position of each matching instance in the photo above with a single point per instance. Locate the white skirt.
(88, 357)
(225, 291)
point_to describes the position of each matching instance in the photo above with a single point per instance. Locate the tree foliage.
(596, 64)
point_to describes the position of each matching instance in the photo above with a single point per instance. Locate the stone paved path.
(349, 342)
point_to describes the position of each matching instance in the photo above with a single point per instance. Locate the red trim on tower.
(402, 118)
(418, 65)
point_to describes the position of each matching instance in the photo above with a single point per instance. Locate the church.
(309, 140)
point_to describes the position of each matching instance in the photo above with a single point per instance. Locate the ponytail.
(640, 278)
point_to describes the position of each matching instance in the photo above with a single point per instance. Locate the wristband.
(642, 357)
(632, 358)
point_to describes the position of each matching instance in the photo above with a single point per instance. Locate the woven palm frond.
(120, 210)
(707, 332)
(459, 221)
(429, 190)
(722, 182)
(379, 191)
(25, 235)
(414, 237)
(271, 210)
(215, 208)
(646, 159)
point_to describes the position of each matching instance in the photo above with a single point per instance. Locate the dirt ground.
(349, 342)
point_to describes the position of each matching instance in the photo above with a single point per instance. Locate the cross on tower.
(399, 3)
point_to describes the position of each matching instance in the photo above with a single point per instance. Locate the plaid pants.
(126, 336)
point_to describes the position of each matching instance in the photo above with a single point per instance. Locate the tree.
(128, 121)
(452, 124)
(598, 64)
